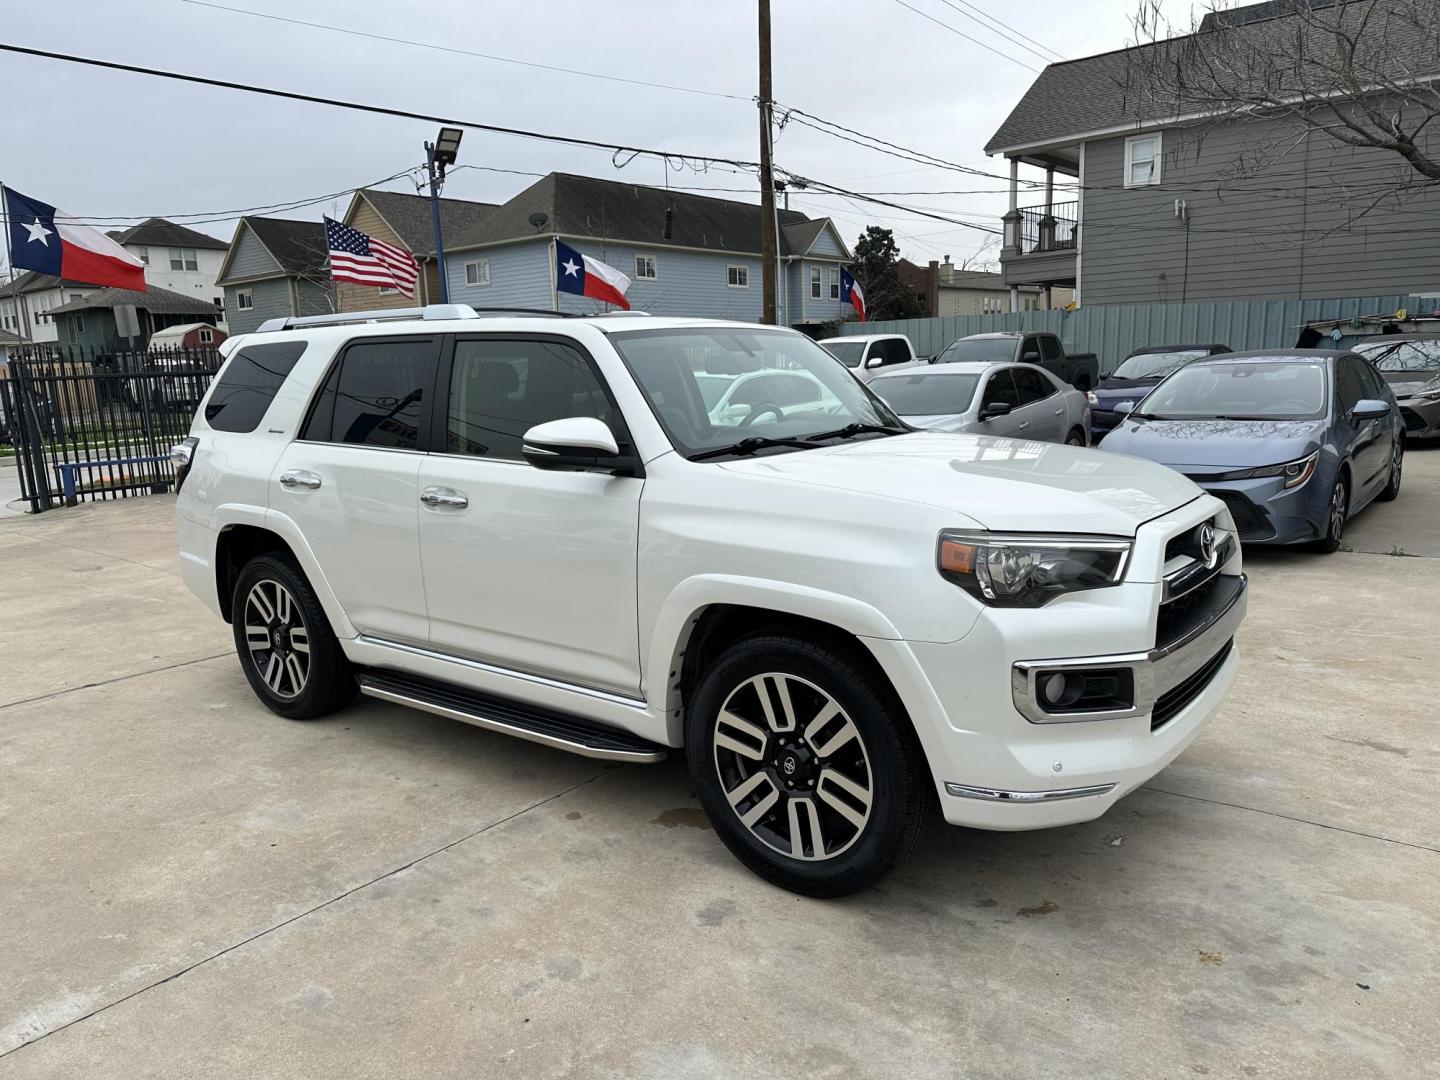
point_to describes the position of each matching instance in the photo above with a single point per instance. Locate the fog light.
(1060, 690)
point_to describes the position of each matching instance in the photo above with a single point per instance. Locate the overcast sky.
(109, 144)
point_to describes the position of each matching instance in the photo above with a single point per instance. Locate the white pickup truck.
(553, 528)
(868, 354)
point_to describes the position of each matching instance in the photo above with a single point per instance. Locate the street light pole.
(438, 155)
(769, 249)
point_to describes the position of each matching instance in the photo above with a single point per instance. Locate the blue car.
(1295, 441)
(1136, 376)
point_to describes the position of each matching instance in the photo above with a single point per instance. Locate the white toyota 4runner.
(551, 527)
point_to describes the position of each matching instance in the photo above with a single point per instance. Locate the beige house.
(949, 290)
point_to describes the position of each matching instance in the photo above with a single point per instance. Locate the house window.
(1142, 160)
(207, 337)
(143, 254)
(477, 272)
(992, 305)
(737, 277)
(244, 300)
(183, 259)
(219, 302)
(645, 266)
(388, 290)
(814, 283)
(834, 283)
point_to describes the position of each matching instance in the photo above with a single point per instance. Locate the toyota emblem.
(1208, 550)
(789, 766)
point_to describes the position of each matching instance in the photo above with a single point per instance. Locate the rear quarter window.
(249, 383)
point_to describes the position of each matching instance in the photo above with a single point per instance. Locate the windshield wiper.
(748, 446)
(851, 430)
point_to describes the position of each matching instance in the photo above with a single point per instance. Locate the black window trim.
(427, 405)
(439, 431)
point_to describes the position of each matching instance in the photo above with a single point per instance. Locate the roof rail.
(430, 312)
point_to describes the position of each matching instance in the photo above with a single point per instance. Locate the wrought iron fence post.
(31, 439)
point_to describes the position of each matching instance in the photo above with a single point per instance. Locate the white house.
(176, 258)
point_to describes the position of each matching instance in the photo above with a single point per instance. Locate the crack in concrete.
(1292, 817)
(116, 679)
(311, 911)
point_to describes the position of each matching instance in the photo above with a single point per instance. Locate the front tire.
(287, 650)
(1335, 518)
(1075, 438)
(806, 764)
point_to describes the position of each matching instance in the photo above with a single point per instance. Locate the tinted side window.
(501, 389)
(1050, 347)
(377, 394)
(1348, 385)
(1374, 382)
(1031, 384)
(1000, 390)
(251, 380)
(894, 352)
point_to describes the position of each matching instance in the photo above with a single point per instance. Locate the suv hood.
(1011, 485)
(1113, 390)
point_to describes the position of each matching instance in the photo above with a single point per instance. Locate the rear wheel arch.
(236, 546)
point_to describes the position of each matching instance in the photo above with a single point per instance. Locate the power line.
(380, 110)
(463, 52)
(967, 37)
(1005, 30)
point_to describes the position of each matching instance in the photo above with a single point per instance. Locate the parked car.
(1136, 375)
(1296, 442)
(537, 526)
(1018, 400)
(740, 400)
(868, 354)
(1080, 370)
(1410, 363)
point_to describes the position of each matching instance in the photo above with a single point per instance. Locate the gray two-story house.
(686, 254)
(275, 268)
(1129, 202)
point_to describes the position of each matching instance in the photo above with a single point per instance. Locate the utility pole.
(769, 250)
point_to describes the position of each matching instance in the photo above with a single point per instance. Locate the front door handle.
(300, 478)
(1023, 425)
(444, 496)
(1059, 412)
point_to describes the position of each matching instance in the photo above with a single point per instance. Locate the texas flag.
(584, 276)
(44, 239)
(851, 293)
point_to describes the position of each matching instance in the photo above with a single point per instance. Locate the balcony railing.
(1054, 230)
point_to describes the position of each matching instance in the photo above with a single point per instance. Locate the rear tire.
(287, 650)
(1397, 465)
(819, 786)
(1075, 438)
(1338, 514)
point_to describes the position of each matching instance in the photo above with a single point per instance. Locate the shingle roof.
(410, 217)
(298, 246)
(8, 338)
(973, 279)
(1105, 92)
(158, 301)
(158, 232)
(34, 281)
(583, 206)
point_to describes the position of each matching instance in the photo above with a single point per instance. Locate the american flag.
(367, 261)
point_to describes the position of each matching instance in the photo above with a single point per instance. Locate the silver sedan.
(1018, 401)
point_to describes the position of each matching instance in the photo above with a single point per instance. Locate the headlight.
(1430, 391)
(1092, 399)
(1028, 570)
(1294, 472)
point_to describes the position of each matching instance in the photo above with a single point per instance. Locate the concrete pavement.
(193, 887)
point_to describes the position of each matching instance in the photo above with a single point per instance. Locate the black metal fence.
(1057, 229)
(98, 425)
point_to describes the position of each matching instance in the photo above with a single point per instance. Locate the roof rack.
(429, 313)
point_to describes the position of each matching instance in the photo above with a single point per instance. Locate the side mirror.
(1106, 374)
(579, 442)
(994, 409)
(1370, 409)
(1125, 407)
(1030, 356)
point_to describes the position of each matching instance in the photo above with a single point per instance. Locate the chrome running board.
(523, 721)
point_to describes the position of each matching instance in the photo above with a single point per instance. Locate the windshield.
(772, 384)
(1287, 390)
(987, 350)
(1156, 364)
(847, 352)
(926, 393)
(1417, 356)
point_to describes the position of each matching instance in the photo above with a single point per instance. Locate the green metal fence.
(1113, 332)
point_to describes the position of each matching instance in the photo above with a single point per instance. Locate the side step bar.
(536, 725)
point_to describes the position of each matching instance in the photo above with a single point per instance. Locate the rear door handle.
(1059, 412)
(1023, 425)
(300, 478)
(444, 496)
